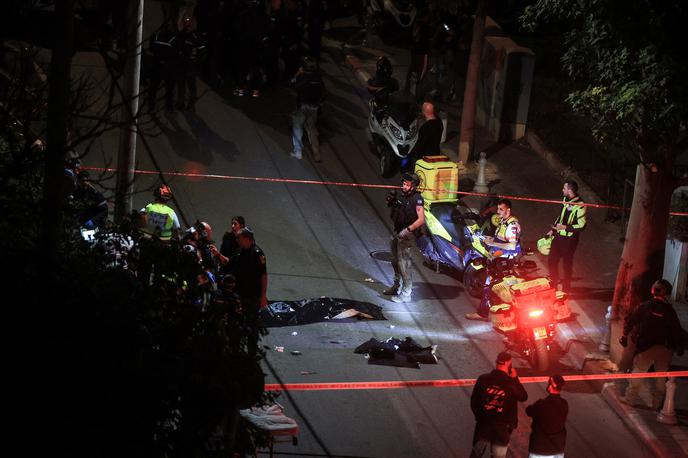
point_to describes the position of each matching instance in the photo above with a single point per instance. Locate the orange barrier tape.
(455, 382)
(359, 185)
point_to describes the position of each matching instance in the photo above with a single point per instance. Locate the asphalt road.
(318, 241)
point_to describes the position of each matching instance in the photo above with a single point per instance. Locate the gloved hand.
(623, 341)
(405, 234)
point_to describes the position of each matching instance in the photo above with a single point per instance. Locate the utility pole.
(470, 94)
(59, 85)
(130, 107)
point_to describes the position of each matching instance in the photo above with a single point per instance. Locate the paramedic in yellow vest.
(505, 244)
(566, 231)
(507, 234)
(158, 218)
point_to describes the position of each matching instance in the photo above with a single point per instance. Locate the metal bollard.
(604, 345)
(481, 183)
(668, 415)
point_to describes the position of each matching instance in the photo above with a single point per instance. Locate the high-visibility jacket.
(575, 222)
(509, 231)
(160, 220)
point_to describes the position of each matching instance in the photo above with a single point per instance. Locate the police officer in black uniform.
(408, 216)
(164, 66)
(190, 49)
(249, 269)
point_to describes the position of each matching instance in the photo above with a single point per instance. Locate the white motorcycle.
(385, 13)
(394, 132)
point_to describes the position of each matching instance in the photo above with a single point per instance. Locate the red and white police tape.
(361, 185)
(325, 386)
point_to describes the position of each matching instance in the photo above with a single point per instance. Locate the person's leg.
(193, 91)
(662, 360)
(394, 289)
(312, 130)
(181, 87)
(169, 89)
(297, 121)
(479, 448)
(484, 307)
(555, 253)
(569, 249)
(155, 80)
(498, 451)
(641, 363)
(404, 248)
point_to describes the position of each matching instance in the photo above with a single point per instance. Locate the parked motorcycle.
(523, 306)
(386, 14)
(526, 311)
(394, 131)
(453, 243)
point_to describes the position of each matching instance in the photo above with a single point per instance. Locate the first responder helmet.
(412, 177)
(544, 245)
(383, 66)
(205, 231)
(163, 193)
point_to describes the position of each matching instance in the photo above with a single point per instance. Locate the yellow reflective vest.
(576, 219)
(158, 220)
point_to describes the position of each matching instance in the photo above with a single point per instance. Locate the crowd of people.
(236, 271)
(249, 43)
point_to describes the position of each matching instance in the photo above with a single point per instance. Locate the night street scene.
(345, 228)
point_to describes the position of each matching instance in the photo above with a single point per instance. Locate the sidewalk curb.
(357, 67)
(634, 422)
(567, 172)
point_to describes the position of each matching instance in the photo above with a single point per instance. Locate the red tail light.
(535, 313)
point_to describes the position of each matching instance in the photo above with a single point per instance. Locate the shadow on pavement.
(209, 140)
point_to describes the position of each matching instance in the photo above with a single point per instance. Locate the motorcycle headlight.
(396, 132)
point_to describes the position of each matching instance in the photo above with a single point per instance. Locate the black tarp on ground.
(292, 313)
(397, 352)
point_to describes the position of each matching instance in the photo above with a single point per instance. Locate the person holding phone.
(494, 404)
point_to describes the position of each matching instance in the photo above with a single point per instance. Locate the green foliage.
(626, 57)
(127, 367)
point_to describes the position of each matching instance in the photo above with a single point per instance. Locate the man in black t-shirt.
(408, 216)
(429, 134)
(494, 404)
(548, 432)
(309, 95)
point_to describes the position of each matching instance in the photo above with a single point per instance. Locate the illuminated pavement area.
(317, 241)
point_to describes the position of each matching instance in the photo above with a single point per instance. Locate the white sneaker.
(401, 298)
(296, 155)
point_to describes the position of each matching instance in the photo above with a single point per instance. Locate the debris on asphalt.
(369, 280)
(291, 313)
(337, 341)
(397, 352)
(308, 372)
(295, 352)
(279, 349)
(391, 326)
(295, 333)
